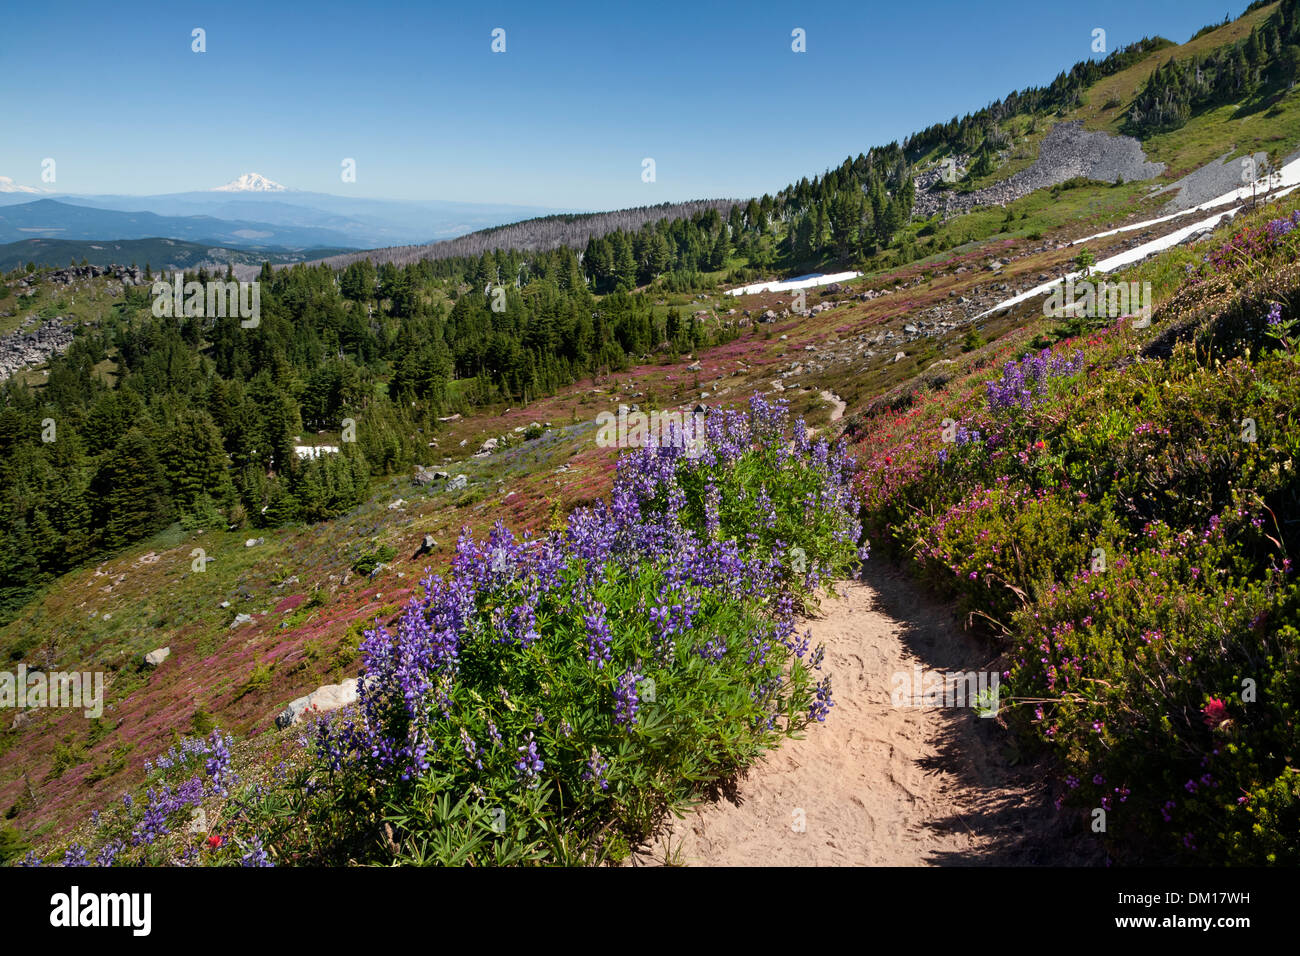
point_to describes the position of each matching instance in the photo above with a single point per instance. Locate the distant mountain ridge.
(539, 234)
(159, 253)
(53, 219)
(338, 221)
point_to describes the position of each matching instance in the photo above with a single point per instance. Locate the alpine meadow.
(731, 464)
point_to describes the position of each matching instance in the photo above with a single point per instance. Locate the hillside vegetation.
(600, 638)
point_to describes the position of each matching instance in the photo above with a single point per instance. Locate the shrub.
(552, 697)
(258, 680)
(600, 676)
(371, 559)
(1124, 528)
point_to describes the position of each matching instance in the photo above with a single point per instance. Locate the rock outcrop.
(322, 700)
(1067, 151)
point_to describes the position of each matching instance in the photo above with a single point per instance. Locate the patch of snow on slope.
(798, 282)
(1290, 179)
(1288, 176)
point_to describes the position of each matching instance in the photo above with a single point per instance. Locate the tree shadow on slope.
(1009, 795)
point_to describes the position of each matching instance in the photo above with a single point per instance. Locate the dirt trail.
(875, 784)
(837, 412)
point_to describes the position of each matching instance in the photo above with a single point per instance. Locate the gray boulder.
(157, 656)
(322, 700)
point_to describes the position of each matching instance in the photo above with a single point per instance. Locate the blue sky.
(412, 91)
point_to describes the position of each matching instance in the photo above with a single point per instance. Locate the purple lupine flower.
(598, 635)
(626, 702)
(530, 763)
(108, 853)
(470, 748)
(523, 622)
(411, 694)
(153, 824)
(822, 703)
(714, 649)
(1278, 228)
(256, 855)
(218, 763)
(75, 856)
(597, 766)
(1024, 383)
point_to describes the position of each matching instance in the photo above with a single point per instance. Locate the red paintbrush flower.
(1216, 712)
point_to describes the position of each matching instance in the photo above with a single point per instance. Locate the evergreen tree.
(130, 491)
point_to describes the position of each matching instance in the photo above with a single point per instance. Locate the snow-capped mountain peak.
(7, 185)
(251, 183)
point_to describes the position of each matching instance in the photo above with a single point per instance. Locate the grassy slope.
(1274, 128)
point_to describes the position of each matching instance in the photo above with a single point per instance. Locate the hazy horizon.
(562, 119)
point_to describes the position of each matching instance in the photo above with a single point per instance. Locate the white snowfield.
(798, 282)
(315, 451)
(1289, 179)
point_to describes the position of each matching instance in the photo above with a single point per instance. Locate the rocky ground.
(1211, 181)
(34, 342)
(1067, 151)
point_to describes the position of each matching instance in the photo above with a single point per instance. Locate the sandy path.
(837, 412)
(875, 784)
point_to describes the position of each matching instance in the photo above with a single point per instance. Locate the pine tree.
(281, 505)
(130, 491)
(624, 262)
(195, 463)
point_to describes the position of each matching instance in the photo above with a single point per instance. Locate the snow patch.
(798, 282)
(315, 451)
(1288, 178)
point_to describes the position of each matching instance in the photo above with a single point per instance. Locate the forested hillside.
(196, 419)
(1266, 61)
